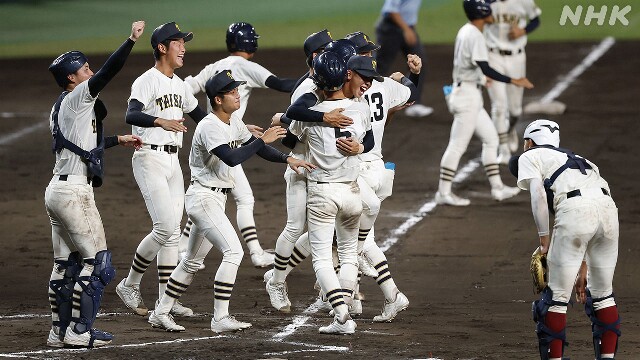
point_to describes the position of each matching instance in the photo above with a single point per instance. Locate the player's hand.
(396, 76)
(410, 36)
(273, 133)
(581, 284)
(334, 118)
(255, 130)
(522, 82)
(544, 244)
(171, 125)
(415, 63)
(133, 141)
(349, 146)
(516, 32)
(137, 28)
(294, 164)
(275, 119)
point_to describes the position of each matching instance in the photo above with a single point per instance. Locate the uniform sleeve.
(398, 94)
(296, 128)
(533, 11)
(142, 90)
(391, 6)
(527, 169)
(79, 98)
(253, 73)
(212, 137)
(197, 82)
(190, 102)
(478, 48)
(245, 134)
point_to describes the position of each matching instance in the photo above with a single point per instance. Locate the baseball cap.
(316, 41)
(362, 42)
(167, 31)
(543, 132)
(365, 66)
(222, 82)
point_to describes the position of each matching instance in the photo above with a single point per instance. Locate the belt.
(216, 189)
(459, 83)
(333, 182)
(171, 149)
(505, 52)
(75, 179)
(574, 193)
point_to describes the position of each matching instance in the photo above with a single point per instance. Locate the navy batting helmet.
(65, 64)
(477, 9)
(329, 71)
(241, 36)
(344, 48)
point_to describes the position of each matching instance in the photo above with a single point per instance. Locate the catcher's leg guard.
(63, 289)
(93, 287)
(545, 335)
(598, 327)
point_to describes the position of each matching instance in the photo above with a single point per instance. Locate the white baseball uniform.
(255, 75)
(509, 58)
(333, 197)
(157, 171)
(585, 228)
(205, 201)
(466, 104)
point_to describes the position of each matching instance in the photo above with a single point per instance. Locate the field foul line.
(11, 137)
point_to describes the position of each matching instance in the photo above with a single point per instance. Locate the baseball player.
(158, 101)
(242, 43)
(82, 263)
(506, 39)
(333, 196)
(470, 67)
(221, 141)
(585, 237)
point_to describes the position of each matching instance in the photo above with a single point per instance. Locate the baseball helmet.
(329, 71)
(241, 36)
(344, 48)
(65, 64)
(477, 9)
(543, 132)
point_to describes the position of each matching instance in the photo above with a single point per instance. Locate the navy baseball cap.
(363, 44)
(168, 31)
(365, 66)
(221, 83)
(316, 41)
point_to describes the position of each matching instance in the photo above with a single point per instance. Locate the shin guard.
(598, 327)
(63, 289)
(546, 335)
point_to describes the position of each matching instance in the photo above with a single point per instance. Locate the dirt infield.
(465, 270)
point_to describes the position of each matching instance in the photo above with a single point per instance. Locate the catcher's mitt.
(539, 271)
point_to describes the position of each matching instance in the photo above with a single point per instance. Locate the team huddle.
(336, 178)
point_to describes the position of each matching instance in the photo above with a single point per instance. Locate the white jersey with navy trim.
(162, 97)
(242, 69)
(306, 86)
(509, 13)
(322, 151)
(77, 122)
(382, 96)
(211, 132)
(470, 48)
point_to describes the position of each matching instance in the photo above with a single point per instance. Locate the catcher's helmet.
(329, 71)
(241, 36)
(543, 132)
(65, 64)
(344, 48)
(477, 9)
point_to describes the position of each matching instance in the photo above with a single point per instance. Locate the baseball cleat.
(339, 328)
(100, 338)
(418, 110)
(261, 260)
(268, 275)
(178, 309)
(504, 193)
(228, 323)
(355, 309)
(54, 339)
(278, 296)
(132, 297)
(450, 199)
(391, 309)
(365, 267)
(165, 322)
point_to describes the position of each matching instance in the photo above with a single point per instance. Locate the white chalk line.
(11, 137)
(300, 320)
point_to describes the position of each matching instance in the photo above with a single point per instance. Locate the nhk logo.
(616, 15)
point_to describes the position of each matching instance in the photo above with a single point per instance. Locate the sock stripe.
(220, 283)
(177, 283)
(142, 260)
(332, 292)
(380, 264)
(380, 281)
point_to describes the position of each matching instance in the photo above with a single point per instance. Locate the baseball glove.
(539, 270)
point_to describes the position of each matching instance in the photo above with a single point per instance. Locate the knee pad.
(92, 289)
(63, 288)
(539, 308)
(598, 328)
